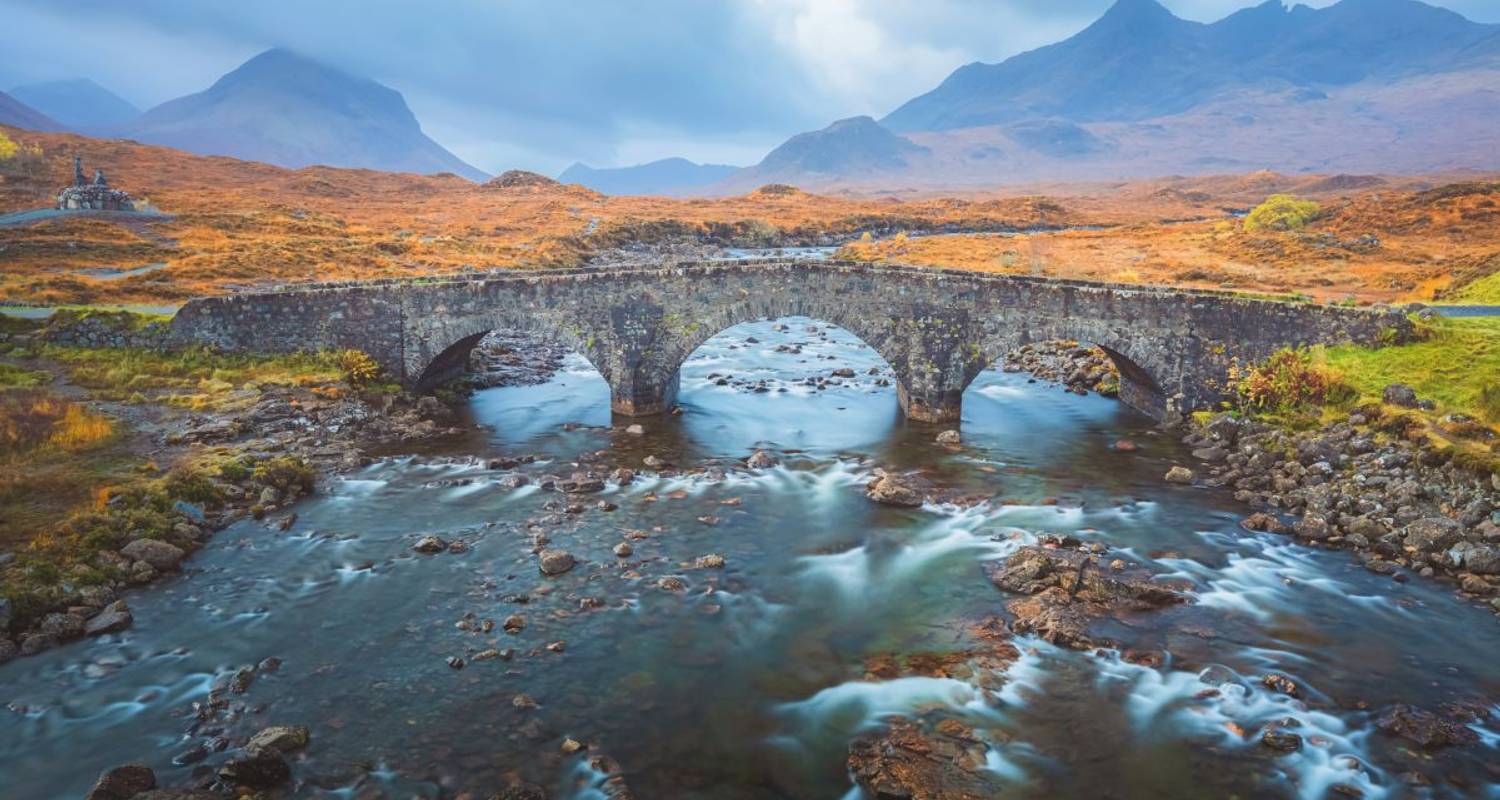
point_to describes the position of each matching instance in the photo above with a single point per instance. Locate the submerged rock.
(258, 769)
(123, 783)
(1424, 728)
(114, 618)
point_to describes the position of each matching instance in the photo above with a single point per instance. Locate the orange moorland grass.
(1397, 246)
(240, 224)
(53, 455)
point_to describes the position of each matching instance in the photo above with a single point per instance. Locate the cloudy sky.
(543, 83)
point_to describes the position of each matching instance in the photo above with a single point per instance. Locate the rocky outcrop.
(913, 760)
(893, 490)
(1070, 591)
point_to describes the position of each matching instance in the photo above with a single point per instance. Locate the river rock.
(556, 562)
(114, 618)
(1070, 592)
(8, 649)
(635, 430)
(523, 791)
(1424, 728)
(1432, 533)
(1179, 474)
(162, 557)
(624, 550)
(1399, 394)
(908, 761)
(1281, 741)
(892, 491)
(1482, 559)
(430, 544)
(123, 783)
(257, 769)
(63, 626)
(710, 561)
(281, 738)
(581, 483)
(760, 459)
(949, 437)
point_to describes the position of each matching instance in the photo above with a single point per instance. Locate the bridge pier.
(930, 406)
(643, 398)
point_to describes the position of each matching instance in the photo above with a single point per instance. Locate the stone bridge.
(936, 328)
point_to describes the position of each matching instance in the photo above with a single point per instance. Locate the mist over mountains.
(1358, 86)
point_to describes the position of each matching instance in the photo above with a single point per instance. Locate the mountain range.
(79, 104)
(1358, 86)
(667, 176)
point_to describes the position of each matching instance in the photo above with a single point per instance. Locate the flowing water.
(751, 681)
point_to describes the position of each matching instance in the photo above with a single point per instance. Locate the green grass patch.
(197, 378)
(1483, 292)
(14, 377)
(1457, 365)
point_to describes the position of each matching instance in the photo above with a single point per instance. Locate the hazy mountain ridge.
(666, 176)
(17, 114)
(79, 103)
(1140, 61)
(285, 109)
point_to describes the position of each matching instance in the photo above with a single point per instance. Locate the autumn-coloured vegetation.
(236, 225)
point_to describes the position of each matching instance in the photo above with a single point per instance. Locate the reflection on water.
(750, 681)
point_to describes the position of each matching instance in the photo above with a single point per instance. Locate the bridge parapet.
(938, 328)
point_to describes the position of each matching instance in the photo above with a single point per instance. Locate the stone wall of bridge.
(936, 328)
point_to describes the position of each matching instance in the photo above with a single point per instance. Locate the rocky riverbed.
(783, 592)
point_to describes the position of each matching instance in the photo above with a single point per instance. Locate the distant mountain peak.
(284, 108)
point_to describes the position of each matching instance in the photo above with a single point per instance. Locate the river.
(751, 681)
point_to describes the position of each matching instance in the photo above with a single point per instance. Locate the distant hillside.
(285, 109)
(1139, 61)
(669, 176)
(78, 103)
(17, 114)
(849, 149)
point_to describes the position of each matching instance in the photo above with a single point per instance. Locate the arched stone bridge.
(936, 328)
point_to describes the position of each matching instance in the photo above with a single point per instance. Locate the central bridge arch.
(936, 328)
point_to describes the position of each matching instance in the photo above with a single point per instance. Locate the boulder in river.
(760, 459)
(893, 491)
(949, 437)
(114, 618)
(258, 769)
(556, 562)
(281, 738)
(1179, 474)
(162, 557)
(122, 783)
(430, 544)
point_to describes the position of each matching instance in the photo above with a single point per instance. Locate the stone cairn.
(92, 195)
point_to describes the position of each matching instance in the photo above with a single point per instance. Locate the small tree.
(1282, 212)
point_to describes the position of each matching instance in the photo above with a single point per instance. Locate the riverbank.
(122, 459)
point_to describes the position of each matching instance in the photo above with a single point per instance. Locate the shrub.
(8, 147)
(358, 368)
(1289, 380)
(288, 475)
(1281, 212)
